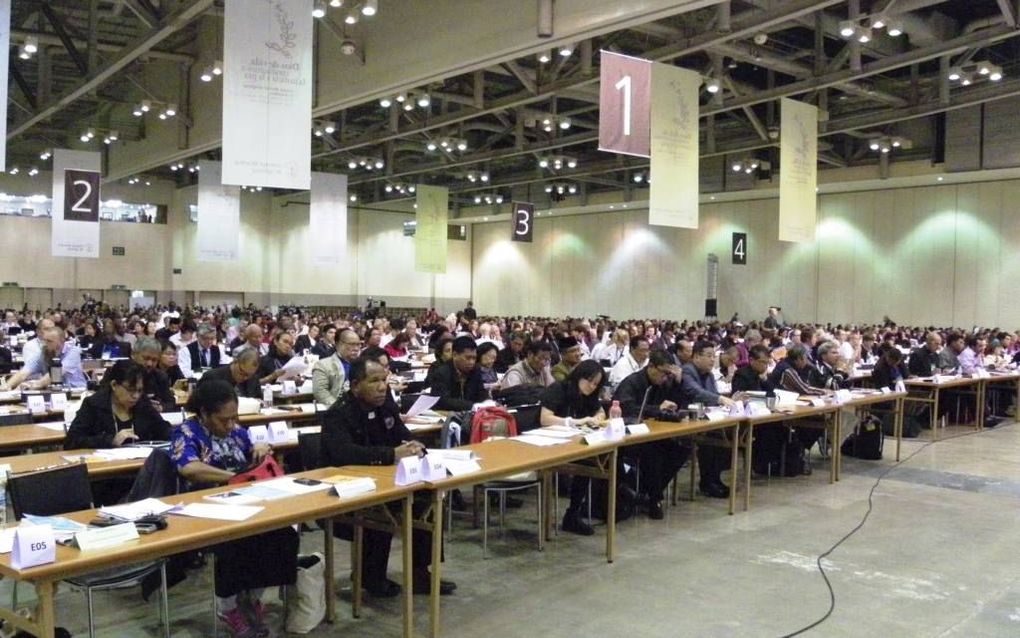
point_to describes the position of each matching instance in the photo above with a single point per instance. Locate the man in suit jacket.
(202, 353)
(330, 375)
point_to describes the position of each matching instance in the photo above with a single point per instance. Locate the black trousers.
(266, 560)
(712, 462)
(375, 547)
(659, 463)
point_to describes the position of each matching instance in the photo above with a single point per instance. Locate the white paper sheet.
(219, 512)
(124, 453)
(290, 486)
(294, 368)
(457, 468)
(136, 510)
(556, 432)
(422, 403)
(540, 441)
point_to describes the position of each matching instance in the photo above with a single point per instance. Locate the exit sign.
(118, 251)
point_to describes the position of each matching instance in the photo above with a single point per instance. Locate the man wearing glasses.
(698, 386)
(330, 375)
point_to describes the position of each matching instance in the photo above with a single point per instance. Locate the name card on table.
(36, 403)
(843, 396)
(757, 408)
(33, 545)
(717, 415)
(433, 468)
(96, 538)
(615, 430)
(816, 402)
(982, 373)
(278, 432)
(289, 387)
(638, 428)
(595, 438)
(58, 400)
(885, 389)
(258, 434)
(409, 471)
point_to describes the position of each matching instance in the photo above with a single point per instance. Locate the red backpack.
(492, 421)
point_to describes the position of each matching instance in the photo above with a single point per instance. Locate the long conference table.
(497, 459)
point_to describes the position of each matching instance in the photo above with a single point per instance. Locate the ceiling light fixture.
(217, 67)
(207, 74)
(45, 155)
(319, 9)
(544, 57)
(31, 44)
(566, 50)
(370, 7)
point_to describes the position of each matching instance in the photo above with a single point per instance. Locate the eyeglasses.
(134, 392)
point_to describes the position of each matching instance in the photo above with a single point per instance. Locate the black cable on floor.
(864, 519)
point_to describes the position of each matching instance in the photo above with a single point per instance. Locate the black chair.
(527, 416)
(310, 451)
(66, 489)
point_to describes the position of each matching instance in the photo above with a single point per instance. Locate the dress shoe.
(715, 490)
(385, 589)
(655, 510)
(423, 585)
(574, 524)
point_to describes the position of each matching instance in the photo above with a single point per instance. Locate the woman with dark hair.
(575, 402)
(281, 350)
(487, 353)
(209, 449)
(168, 363)
(397, 347)
(116, 415)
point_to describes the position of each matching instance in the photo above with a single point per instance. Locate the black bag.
(866, 440)
(626, 496)
(912, 425)
(769, 444)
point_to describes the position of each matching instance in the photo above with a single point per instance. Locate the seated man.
(795, 374)
(511, 354)
(533, 370)
(173, 327)
(36, 371)
(571, 354)
(201, 354)
(827, 374)
(753, 377)
(146, 353)
(241, 373)
(365, 429)
(636, 359)
(458, 383)
(329, 375)
(949, 356)
(252, 336)
(648, 394)
(698, 386)
(925, 361)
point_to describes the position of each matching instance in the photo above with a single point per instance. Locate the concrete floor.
(937, 557)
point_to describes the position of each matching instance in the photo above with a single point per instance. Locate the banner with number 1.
(624, 101)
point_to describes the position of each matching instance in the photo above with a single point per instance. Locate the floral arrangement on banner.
(287, 35)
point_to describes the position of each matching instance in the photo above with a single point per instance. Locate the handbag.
(306, 598)
(266, 469)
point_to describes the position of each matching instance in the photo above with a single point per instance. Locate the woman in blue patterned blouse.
(209, 449)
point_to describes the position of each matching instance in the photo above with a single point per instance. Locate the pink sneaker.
(238, 624)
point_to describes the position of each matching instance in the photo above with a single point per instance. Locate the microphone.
(644, 401)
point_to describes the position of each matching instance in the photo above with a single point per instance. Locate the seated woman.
(487, 353)
(116, 415)
(168, 364)
(208, 449)
(575, 402)
(397, 348)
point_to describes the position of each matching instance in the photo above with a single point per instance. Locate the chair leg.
(165, 601)
(215, 616)
(92, 622)
(502, 513)
(555, 496)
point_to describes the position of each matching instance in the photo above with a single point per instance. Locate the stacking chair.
(66, 489)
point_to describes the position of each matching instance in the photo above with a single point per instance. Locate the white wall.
(939, 254)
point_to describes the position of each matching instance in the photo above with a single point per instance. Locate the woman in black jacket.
(118, 413)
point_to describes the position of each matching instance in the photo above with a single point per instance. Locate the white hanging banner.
(75, 203)
(430, 229)
(267, 93)
(219, 216)
(5, 45)
(327, 219)
(798, 171)
(673, 190)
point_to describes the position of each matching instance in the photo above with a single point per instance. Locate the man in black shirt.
(924, 361)
(511, 354)
(364, 428)
(651, 393)
(469, 313)
(241, 373)
(751, 378)
(458, 383)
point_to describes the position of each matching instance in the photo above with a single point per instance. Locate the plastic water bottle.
(267, 396)
(615, 411)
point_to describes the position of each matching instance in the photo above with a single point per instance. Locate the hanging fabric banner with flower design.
(267, 93)
(673, 179)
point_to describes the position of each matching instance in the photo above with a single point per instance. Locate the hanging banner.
(523, 221)
(623, 103)
(430, 229)
(219, 216)
(267, 93)
(673, 187)
(75, 203)
(5, 45)
(327, 219)
(798, 171)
